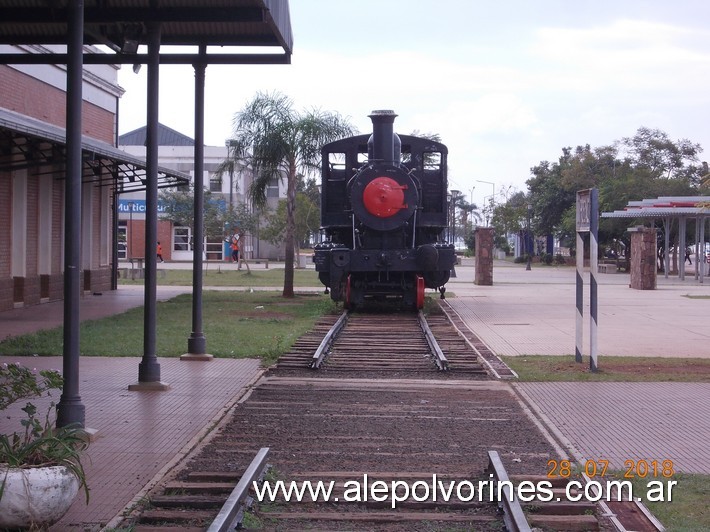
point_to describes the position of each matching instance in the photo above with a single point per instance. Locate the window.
(272, 190)
(336, 161)
(122, 240)
(216, 183)
(181, 238)
(432, 160)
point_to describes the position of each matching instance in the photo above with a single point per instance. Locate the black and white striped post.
(587, 222)
(593, 271)
(579, 322)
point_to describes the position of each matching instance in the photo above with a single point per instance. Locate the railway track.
(384, 344)
(339, 424)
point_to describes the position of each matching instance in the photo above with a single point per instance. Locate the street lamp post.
(455, 196)
(231, 151)
(529, 240)
(493, 196)
(493, 185)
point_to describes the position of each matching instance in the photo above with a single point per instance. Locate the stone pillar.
(643, 258)
(484, 256)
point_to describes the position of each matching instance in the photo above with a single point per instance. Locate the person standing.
(234, 246)
(159, 252)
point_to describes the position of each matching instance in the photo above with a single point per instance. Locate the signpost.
(587, 222)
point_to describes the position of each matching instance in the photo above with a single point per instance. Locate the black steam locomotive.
(383, 213)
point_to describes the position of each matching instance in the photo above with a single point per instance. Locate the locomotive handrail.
(439, 357)
(327, 341)
(233, 505)
(513, 515)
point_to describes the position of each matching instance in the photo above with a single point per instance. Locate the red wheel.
(420, 292)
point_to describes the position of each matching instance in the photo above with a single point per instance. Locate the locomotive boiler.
(383, 215)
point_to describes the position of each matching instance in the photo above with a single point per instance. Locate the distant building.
(177, 151)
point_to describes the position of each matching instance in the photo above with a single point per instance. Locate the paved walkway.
(141, 434)
(627, 421)
(533, 313)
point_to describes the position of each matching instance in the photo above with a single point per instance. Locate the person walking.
(159, 252)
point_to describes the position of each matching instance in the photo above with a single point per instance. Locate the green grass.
(688, 511)
(613, 369)
(235, 325)
(218, 277)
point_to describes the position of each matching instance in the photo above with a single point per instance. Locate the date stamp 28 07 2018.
(659, 486)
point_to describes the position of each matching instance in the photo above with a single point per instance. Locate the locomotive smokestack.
(382, 145)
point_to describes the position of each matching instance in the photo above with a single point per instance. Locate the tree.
(307, 221)
(509, 218)
(279, 143)
(652, 150)
(644, 166)
(178, 208)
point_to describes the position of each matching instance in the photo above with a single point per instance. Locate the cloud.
(622, 55)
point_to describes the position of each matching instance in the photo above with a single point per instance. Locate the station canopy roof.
(665, 207)
(43, 145)
(193, 32)
(122, 25)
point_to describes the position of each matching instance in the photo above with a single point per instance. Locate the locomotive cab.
(383, 210)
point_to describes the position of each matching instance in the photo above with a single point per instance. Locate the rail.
(229, 516)
(513, 516)
(322, 351)
(439, 357)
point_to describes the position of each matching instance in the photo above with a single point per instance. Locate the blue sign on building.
(136, 206)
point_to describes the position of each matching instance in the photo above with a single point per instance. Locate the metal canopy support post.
(196, 343)
(700, 257)
(70, 409)
(666, 246)
(114, 237)
(149, 368)
(682, 229)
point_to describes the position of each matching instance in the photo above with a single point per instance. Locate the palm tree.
(278, 143)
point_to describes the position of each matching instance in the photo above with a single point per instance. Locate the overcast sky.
(506, 84)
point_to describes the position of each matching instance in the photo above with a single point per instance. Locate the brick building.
(32, 177)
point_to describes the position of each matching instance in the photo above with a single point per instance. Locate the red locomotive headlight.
(384, 197)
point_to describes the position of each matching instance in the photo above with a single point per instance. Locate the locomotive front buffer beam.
(433, 262)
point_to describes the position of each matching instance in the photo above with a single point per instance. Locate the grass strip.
(688, 509)
(235, 324)
(215, 276)
(544, 368)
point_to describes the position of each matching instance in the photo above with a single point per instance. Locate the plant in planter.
(40, 466)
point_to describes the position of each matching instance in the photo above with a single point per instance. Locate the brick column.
(643, 258)
(484, 256)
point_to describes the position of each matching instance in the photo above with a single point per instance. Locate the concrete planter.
(35, 497)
